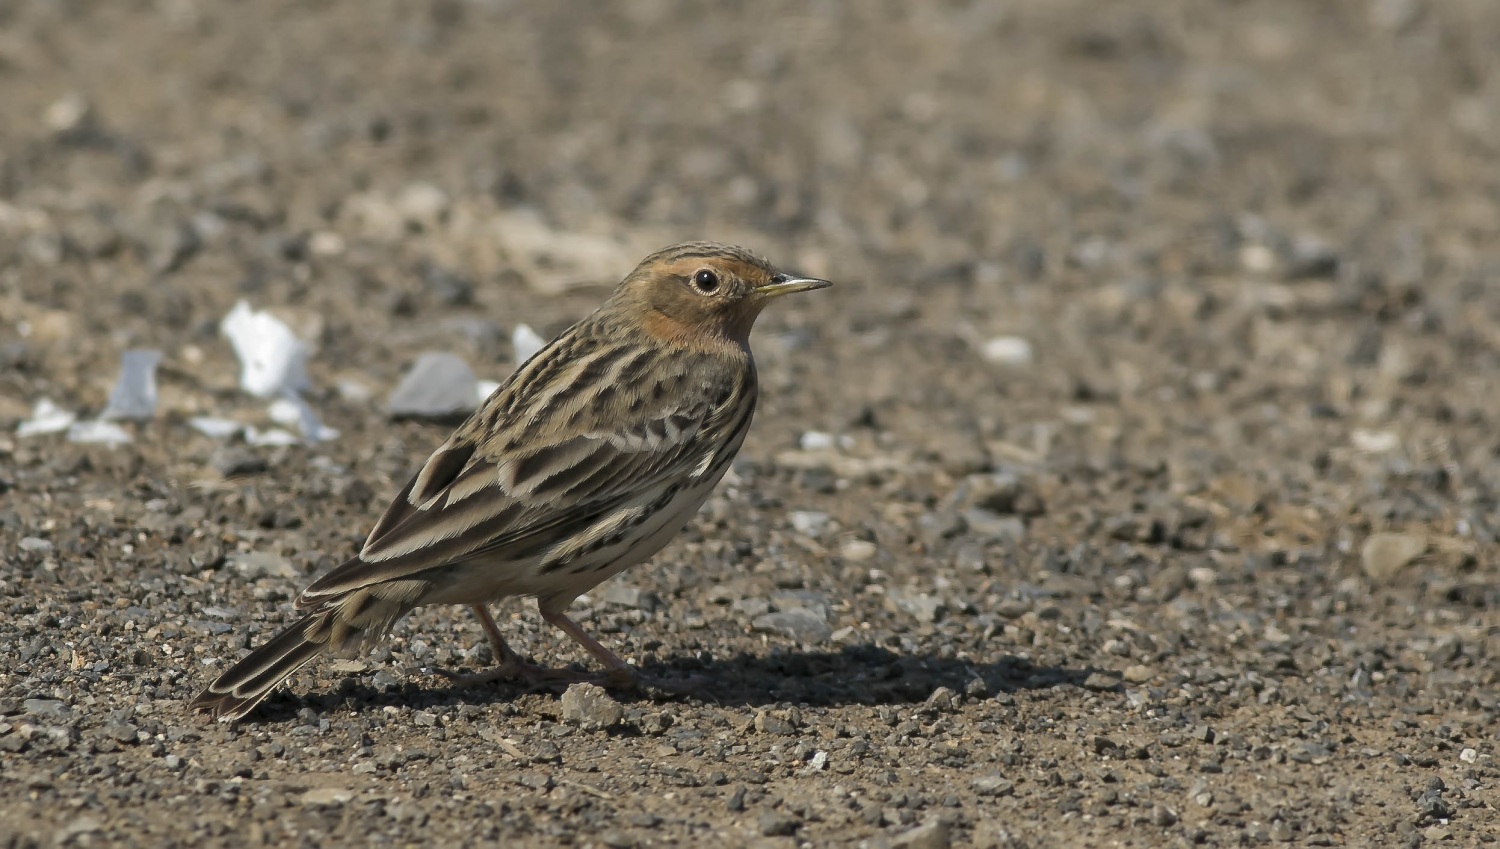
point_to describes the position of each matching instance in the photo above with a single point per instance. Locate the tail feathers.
(247, 683)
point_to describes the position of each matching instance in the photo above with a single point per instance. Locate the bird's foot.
(630, 678)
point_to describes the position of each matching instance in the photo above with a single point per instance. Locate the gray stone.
(47, 709)
(932, 834)
(437, 385)
(994, 784)
(262, 564)
(1101, 681)
(809, 522)
(923, 607)
(590, 707)
(810, 599)
(799, 623)
(233, 462)
(77, 827)
(751, 607)
(777, 824)
(995, 526)
(134, 392)
(1384, 555)
(773, 723)
(327, 796)
(624, 595)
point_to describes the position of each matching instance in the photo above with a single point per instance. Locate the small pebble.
(1384, 555)
(590, 707)
(1007, 350)
(777, 824)
(801, 624)
(932, 834)
(437, 385)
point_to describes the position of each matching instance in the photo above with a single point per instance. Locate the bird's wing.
(517, 479)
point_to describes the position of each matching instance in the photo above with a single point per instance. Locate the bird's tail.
(345, 624)
(244, 685)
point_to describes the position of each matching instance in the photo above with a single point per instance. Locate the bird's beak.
(785, 284)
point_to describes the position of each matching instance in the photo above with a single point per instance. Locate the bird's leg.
(508, 664)
(618, 673)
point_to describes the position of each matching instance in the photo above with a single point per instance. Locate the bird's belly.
(566, 581)
(561, 581)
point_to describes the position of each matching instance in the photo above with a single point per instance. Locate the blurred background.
(1165, 347)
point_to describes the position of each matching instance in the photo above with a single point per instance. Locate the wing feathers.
(588, 433)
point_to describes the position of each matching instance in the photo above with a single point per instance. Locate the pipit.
(588, 460)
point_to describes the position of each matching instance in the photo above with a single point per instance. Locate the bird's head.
(705, 292)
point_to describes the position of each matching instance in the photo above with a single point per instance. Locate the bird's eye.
(705, 281)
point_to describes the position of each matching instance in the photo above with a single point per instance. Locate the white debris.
(134, 393)
(98, 432)
(293, 410)
(525, 342)
(46, 417)
(67, 113)
(1007, 350)
(816, 440)
(484, 389)
(808, 522)
(285, 411)
(422, 203)
(1375, 441)
(273, 364)
(273, 361)
(215, 427)
(354, 390)
(273, 436)
(325, 243)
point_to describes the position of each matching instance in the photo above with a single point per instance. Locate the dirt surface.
(1200, 552)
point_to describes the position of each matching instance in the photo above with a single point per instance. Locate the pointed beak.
(786, 284)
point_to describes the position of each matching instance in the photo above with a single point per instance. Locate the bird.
(587, 460)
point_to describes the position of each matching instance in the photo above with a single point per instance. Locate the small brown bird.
(588, 460)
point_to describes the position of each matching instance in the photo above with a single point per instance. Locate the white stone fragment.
(134, 393)
(293, 410)
(808, 522)
(46, 417)
(1007, 350)
(354, 390)
(98, 432)
(285, 411)
(525, 342)
(215, 427)
(272, 436)
(273, 361)
(437, 384)
(816, 440)
(1374, 441)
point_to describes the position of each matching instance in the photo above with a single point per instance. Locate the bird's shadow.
(853, 675)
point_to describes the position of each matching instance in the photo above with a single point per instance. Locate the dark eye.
(705, 281)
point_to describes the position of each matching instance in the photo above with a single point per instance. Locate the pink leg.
(619, 673)
(508, 664)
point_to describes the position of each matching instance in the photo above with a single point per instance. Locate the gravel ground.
(1136, 486)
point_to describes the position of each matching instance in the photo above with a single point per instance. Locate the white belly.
(566, 582)
(556, 577)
